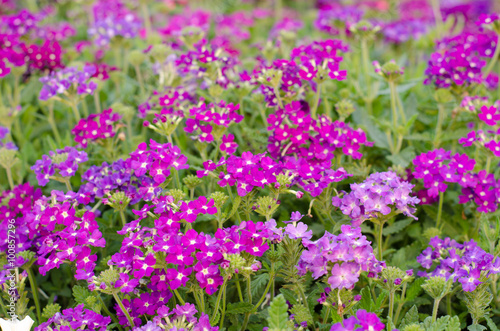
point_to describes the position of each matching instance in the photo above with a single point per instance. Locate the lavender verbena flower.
(113, 18)
(64, 161)
(76, 318)
(346, 256)
(380, 194)
(58, 82)
(466, 263)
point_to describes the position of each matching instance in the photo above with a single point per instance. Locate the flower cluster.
(211, 120)
(338, 19)
(59, 82)
(180, 318)
(342, 258)
(460, 60)
(466, 263)
(76, 318)
(363, 321)
(65, 161)
(113, 19)
(438, 167)
(16, 204)
(95, 127)
(295, 132)
(182, 255)
(380, 194)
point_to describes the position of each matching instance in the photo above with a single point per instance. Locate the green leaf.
(258, 283)
(411, 317)
(454, 324)
(366, 302)
(440, 324)
(415, 289)
(80, 293)
(239, 308)
(236, 204)
(397, 226)
(289, 295)
(404, 157)
(430, 210)
(476, 327)
(278, 313)
(490, 323)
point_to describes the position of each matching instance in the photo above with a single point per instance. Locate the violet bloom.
(58, 82)
(464, 263)
(298, 231)
(64, 161)
(380, 194)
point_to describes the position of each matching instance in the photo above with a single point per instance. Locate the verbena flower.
(465, 263)
(379, 195)
(64, 162)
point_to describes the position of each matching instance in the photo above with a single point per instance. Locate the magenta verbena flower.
(76, 318)
(363, 321)
(340, 258)
(379, 195)
(464, 263)
(438, 168)
(95, 127)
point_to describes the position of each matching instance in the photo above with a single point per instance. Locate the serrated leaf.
(476, 327)
(397, 226)
(366, 302)
(404, 157)
(80, 293)
(454, 324)
(415, 289)
(289, 295)
(239, 308)
(380, 298)
(236, 205)
(491, 324)
(440, 324)
(278, 313)
(258, 283)
(411, 317)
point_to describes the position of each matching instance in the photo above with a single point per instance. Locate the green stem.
(140, 79)
(177, 180)
(494, 59)
(314, 109)
(439, 125)
(440, 209)
(34, 291)
(448, 305)
(74, 106)
(438, 17)
(400, 304)
(271, 282)
(366, 68)
(68, 184)
(435, 309)
(53, 124)
(178, 296)
(380, 242)
(146, 18)
(97, 101)
(217, 303)
(122, 307)
(488, 163)
(249, 294)
(122, 217)
(223, 314)
(232, 201)
(393, 105)
(238, 287)
(303, 296)
(106, 310)
(391, 308)
(9, 177)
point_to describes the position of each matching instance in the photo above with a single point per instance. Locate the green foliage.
(278, 314)
(50, 310)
